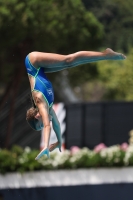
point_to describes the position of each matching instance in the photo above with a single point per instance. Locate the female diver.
(37, 64)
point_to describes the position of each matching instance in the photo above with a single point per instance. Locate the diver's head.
(34, 119)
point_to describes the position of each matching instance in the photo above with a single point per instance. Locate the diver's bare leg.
(60, 62)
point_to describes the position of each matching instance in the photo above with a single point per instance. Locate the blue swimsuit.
(42, 84)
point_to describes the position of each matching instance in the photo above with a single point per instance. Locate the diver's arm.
(56, 126)
(44, 112)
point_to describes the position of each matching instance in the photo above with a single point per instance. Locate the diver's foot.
(45, 151)
(112, 55)
(54, 146)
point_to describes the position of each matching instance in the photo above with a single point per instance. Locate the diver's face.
(38, 116)
(39, 124)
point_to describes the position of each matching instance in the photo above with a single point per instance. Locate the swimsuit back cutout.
(42, 84)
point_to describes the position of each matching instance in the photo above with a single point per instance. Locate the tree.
(117, 19)
(51, 26)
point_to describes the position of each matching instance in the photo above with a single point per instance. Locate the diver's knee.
(69, 58)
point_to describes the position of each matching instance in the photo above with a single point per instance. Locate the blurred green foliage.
(114, 156)
(116, 78)
(117, 18)
(51, 26)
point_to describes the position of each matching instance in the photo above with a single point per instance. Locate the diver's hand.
(54, 146)
(45, 151)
